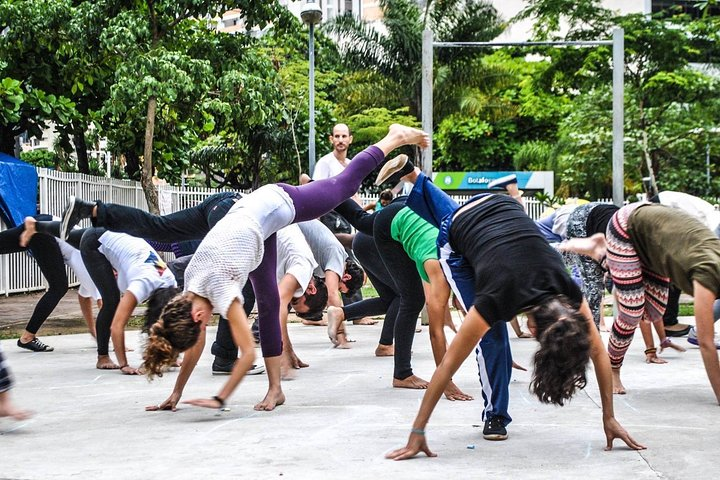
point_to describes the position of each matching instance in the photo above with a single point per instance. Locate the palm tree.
(393, 50)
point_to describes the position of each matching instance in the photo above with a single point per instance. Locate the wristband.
(219, 400)
(650, 350)
(418, 431)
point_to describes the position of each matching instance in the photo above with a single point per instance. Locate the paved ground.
(341, 417)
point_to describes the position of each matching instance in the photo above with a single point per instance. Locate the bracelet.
(219, 400)
(666, 342)
(418, 431)
(650, 350)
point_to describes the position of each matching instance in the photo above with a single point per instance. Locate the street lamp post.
(311, 14)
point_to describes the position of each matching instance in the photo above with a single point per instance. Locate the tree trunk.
(147, 169)
(653, 190)
(80, 148)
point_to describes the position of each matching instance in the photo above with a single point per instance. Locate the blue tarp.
(18, 190)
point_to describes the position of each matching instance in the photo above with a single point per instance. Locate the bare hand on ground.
(204, 402)
(416, 444)
(517, 366)
(128, 370)
(653, 358)
(614, 430)
(169, 404)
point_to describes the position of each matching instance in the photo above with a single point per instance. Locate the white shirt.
(326, 248)
(140, 269)
(294, 257)
(328, 166)
(73, 259)
(270, 205)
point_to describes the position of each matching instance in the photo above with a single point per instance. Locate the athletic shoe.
(692, 338)
(503, 182)
(495, 429)
(75, 210)
(221, 366)
(35, 345)
(256, 370)
(681, 332)
(394, 170)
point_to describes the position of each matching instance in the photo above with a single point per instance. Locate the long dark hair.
(171, 335)
(562, 358)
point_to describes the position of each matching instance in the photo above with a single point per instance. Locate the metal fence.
(19, 273)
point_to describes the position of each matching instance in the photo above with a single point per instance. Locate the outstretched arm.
(437, 294)
(601, 362)
(188, 365)
(470, 333)
(704, 299)
(124, 310)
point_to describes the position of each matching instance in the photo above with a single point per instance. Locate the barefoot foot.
(273, 398)
(105, 363)
(315, 323)
(28, 233)
(408, 135)
(618, 387)
(365, 321)
(410, 382)
(7, 409)
(385, 350)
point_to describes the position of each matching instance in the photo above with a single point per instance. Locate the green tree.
(396, 54)
(160, 79)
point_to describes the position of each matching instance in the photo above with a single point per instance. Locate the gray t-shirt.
(327, 250)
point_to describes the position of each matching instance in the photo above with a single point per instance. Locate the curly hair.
(358, 277)
(155, 304)
(315, 302)
(562, 358)
(171, 335)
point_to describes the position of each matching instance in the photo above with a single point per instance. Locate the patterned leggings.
(641, 294)
(591, 273)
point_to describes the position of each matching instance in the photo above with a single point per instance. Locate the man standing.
(335, 161)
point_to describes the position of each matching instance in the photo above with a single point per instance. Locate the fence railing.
(19, 273)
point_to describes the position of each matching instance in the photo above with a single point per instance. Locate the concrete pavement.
(342, 416)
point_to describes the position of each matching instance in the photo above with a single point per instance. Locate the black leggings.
(46, 253)
(407, 285)
(101, 272)
(185, 225)
(388, 301)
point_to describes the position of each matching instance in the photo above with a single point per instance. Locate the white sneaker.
(503, 182)
(256, 370)
(692, 338)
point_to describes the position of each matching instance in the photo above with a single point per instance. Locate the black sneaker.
(35, 345)
(75, 210)
(394, 170)
(495, 429)
(221, 366)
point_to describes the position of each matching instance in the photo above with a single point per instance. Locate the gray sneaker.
(692, 338)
